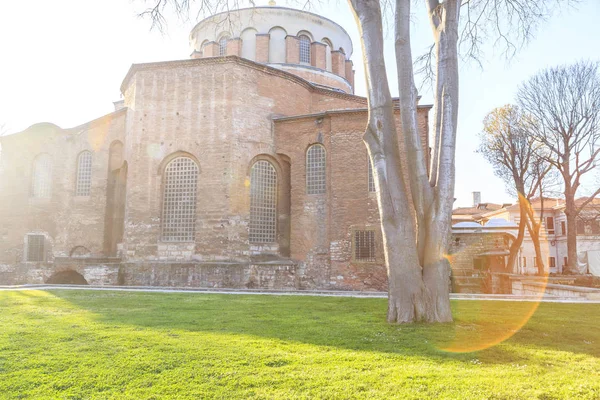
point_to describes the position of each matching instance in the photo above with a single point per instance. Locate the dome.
(467, 225)
(43, 128)
(500, 223)
(299, 42)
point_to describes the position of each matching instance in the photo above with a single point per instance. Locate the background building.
(476, 233)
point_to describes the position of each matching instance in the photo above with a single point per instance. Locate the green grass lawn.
(89, 344)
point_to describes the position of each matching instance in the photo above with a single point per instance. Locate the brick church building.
(243, 166)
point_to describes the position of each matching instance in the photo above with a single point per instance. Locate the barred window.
(41, 181)
(35, 247)
(304, 49)
(315, 169)
(84, 174)
(179, 200)
(364, 246)
(371, 177)
(263, 203)
(223, 46)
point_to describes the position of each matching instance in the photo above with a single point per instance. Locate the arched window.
(84, 174)
(328, 48)
(179, 200)
(315, 169)
(304, 49)
(371, 177)
(263, 203)
(41, 180)
(223, 45)
(277, 48)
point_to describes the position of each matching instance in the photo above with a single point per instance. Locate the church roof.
(235, 60)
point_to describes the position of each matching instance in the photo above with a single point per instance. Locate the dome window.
(304, 49)
(223, 45)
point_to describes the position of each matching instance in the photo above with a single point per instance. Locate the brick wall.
(262, 47)
(323, 225)
(219, 112)
(292, 50)
(66, 220)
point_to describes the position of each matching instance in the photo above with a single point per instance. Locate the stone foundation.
(266, 275)
(280, 274)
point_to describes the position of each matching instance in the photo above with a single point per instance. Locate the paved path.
(327, 293)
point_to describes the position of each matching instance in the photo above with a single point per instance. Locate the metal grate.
(84, 174)
(41, 182)
(304, 49)
(364, 246)
(263, 203)
(179, 200)
(315, 169)
(371, 177)
(223, 46)
(35, 247)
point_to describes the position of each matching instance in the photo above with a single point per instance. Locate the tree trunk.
(571, 214)
(534, 232)
(444, 22)
(535, 237)
(406, 300)
(516, 244)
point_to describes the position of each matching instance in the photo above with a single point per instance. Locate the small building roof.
(467, 224)
(500, 223)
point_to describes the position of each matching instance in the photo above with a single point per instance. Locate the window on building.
(223, 45)
(328, 48)
(304, 49)
(84, 174)
(35, 248)
(552, 262)
(596, 227)
(364, 246)
(524, 262)
(565, 261)
(41, 182)
(580, 227)
(371, 177)
(179, 200)
(563, 227)
(263, 203)
(550, 225)
(315, 169)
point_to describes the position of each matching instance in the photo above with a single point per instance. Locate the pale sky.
(62, 61)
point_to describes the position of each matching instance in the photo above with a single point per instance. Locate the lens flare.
(491, 322)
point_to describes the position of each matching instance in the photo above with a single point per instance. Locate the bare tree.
(514, 156)
(563, 105)
(416, 215)
(419, 291)
(544, 177)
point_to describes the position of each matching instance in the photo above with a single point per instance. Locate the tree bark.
(534, 227)
(516, 244)
(406, 300)
(444, 22)
(571, 214)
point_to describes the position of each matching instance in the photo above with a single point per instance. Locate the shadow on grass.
(349, 323)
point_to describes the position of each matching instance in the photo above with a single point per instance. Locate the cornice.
(239, 61)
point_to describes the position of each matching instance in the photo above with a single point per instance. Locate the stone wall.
(275, 275)
(266, 275)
